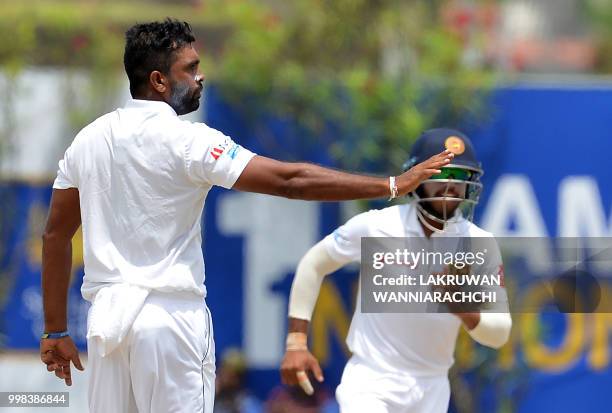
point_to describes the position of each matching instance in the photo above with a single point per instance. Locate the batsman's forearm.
(470, 320)
(315, 183)
(298, 326)
(309, 275)
(56, 269)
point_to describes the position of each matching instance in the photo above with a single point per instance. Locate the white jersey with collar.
(143, 174)
(419, 345)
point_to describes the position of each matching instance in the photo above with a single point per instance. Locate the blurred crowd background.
(348, 84)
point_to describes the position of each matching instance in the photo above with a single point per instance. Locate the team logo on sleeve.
(234, 151)
(218, 150)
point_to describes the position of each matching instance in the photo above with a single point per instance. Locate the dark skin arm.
(62, 223)
(470, 320)
(315, 183)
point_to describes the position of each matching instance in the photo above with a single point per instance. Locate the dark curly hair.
(151, 46)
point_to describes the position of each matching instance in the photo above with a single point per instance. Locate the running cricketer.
(136, 180)
(400, 361)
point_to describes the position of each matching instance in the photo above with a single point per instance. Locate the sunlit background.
(343, 83)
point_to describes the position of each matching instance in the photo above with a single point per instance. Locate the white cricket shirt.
(143, 174)
(415, 344)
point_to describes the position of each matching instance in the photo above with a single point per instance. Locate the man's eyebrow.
(194, 62)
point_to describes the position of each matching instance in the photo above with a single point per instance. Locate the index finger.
(304, 382)
(442, 157)
(77, 362)
(444, 154)
(436, 161)
(67, 375)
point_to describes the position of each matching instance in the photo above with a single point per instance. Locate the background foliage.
(599, 12)
(373, 72)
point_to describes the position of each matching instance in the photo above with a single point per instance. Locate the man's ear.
(158, 81)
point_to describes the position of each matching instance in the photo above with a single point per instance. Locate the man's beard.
(182, 99)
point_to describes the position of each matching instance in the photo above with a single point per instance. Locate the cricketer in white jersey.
(400, 361)
(136, 180)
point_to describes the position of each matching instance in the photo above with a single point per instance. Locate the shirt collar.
(150, 106)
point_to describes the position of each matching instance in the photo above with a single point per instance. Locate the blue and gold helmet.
(463, 169)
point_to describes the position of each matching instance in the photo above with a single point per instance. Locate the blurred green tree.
(375, 73)
(599, 13)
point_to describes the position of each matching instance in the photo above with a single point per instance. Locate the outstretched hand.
(412, 178)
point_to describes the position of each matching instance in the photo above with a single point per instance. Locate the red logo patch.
(216, 152)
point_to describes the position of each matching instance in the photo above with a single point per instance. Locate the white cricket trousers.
(365, 389)
(165, 364)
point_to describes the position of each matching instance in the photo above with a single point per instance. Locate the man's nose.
(452, 187)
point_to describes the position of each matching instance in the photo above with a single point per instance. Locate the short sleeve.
(213, 158)
(344, 244)
(66, 174)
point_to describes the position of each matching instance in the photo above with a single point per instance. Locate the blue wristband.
(55, 335)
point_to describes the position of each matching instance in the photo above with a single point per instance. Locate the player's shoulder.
(476, 232)
(102, 122)
(100, 126)
(199, 133)
(378, 222)
(379, 214)
(190, 124)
